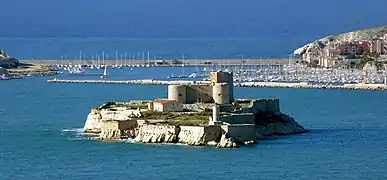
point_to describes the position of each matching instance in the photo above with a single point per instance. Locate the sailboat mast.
(148, 57)
(103, 57)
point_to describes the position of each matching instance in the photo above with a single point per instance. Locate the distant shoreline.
(274, 61)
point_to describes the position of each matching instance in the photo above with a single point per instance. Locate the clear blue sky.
(187, 18)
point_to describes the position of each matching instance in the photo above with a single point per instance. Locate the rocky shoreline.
(115, 124)
(32, 70)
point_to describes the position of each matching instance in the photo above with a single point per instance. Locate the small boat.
(193, 75)
(104, 76)
(76, 71)
(3, 77)
(183, 76)
(172, 77)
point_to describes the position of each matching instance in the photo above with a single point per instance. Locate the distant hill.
(360, 35)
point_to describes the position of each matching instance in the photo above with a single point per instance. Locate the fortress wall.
(178, 93)
(243, 132)
(247, 118)
(199, 93)
(266, 105)
(116, 129)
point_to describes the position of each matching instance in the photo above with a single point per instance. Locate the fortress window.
(180, 95)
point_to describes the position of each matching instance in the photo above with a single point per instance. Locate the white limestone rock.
(110, 134)
(157, 134)
(93, 122)
(226, 142)
(95, 117)
(198, 135)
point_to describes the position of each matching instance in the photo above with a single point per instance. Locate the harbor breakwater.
(359, 86)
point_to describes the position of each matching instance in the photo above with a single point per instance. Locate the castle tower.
(222, 87)
(178, 93)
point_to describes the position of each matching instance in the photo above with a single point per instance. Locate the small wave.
(78, 138)
(77, 130)
(129, 141)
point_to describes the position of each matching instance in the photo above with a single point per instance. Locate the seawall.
(248, 84)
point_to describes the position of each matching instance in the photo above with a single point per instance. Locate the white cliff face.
(110, 134)
(95, 117)
(199, 136)
(93, 123)
(157, 134)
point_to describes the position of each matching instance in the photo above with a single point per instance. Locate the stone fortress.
(220, 91)
(200, 115)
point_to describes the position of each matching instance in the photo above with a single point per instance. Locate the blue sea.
(219, 29)
(41, 137)
(41, 123)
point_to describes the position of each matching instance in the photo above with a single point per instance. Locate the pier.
(145, 81)
(359, 86)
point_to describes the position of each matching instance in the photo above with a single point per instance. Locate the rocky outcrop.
(157, 134)
(3, 55)
(97, 115)
(199, 135)
(93, 122)
(227, 142)
(360, 35)
(110, 134)
(279, 125)
(7, 61)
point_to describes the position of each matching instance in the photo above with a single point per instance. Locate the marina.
(359, 86)
(291, 75)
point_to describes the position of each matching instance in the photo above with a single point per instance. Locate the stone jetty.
(359, 86)
(144, 81)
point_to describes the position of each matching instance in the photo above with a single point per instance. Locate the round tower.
(178, 93)
(221, 93)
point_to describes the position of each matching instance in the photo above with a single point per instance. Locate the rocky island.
(198, 115)
(12, 67)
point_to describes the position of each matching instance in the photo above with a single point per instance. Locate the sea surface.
(41, 125)
(220, 29)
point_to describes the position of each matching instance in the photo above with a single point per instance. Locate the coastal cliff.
(360, 35)
(262, 120)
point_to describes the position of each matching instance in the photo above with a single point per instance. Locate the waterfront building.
(379, 47)
(354, 48)
(330, 57)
